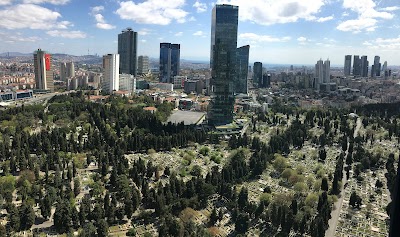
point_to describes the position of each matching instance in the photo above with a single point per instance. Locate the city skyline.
(288, 32)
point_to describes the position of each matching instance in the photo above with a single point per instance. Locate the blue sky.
(278, 31)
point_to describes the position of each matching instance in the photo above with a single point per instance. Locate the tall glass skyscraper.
(347, 65)
(376, 68)
(127, 49)
(357, 66)
(224, 29)
(364, 66)
(258, 73)
(242, 66)
(170, 55)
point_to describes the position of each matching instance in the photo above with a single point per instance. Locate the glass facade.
(169, 61)
(347, 65)
(356, 66)
(258, 73)
(242, 66)
(127, 49)
(224, 28)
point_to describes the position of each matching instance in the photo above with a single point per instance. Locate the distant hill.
(84, 59)
(14, 54)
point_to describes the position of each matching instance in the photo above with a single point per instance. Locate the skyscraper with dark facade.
(169, 61)
(258, 73)
(357, 66)
(127, 49)
(376, 68)
(364, 66)
(347, 65)
(242, 66)
(224, 29)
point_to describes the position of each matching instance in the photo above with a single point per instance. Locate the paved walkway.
(330, 232)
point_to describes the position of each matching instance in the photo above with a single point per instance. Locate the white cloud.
(390, 9)
(199, 33)
(76, 34)
(143, 41)
(5, 2)
(100, 21)
(323, 19)
(179, 34)
(97, 9)
(55, 2)
(302, 39)
(200, 7)
(262, 38)
(31, 16)
(157, 12)
(144, 31)
(17, 37)
(268, 12)
(367, 16)
(358, 25)
(384, 44)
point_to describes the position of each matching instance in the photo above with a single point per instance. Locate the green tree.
(27, 216)
(242, 223)
(62, 217)
(77, 187)
(2, 230)
(13, 218)
(102, 228)
(88, 230)
(213, 217)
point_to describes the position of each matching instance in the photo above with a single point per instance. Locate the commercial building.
(376, 68)
(224, 29)
(127, 82)
(242, 66)
(322, 74)
(319, 74)
(364, 66)
(357, 66)
(143, 64)
(169, 61)
(67, 70)
(43, 71)
(347, 65)
(258, 73)
(179, 82)
(111, 73)
(127, 49)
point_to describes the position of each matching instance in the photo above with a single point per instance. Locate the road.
(330, 232)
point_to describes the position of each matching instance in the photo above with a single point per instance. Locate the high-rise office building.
(143, 64)
(242, 66)
(67, 70)
(364, 66)
(356, 66)
(384, 69)
(111, 73)
(258, 73)
(347, 65)
(224, 29)
(127, 49)
(169, 61)
(376, 68)
(327, 71)
(43, 70)
(319, 74)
